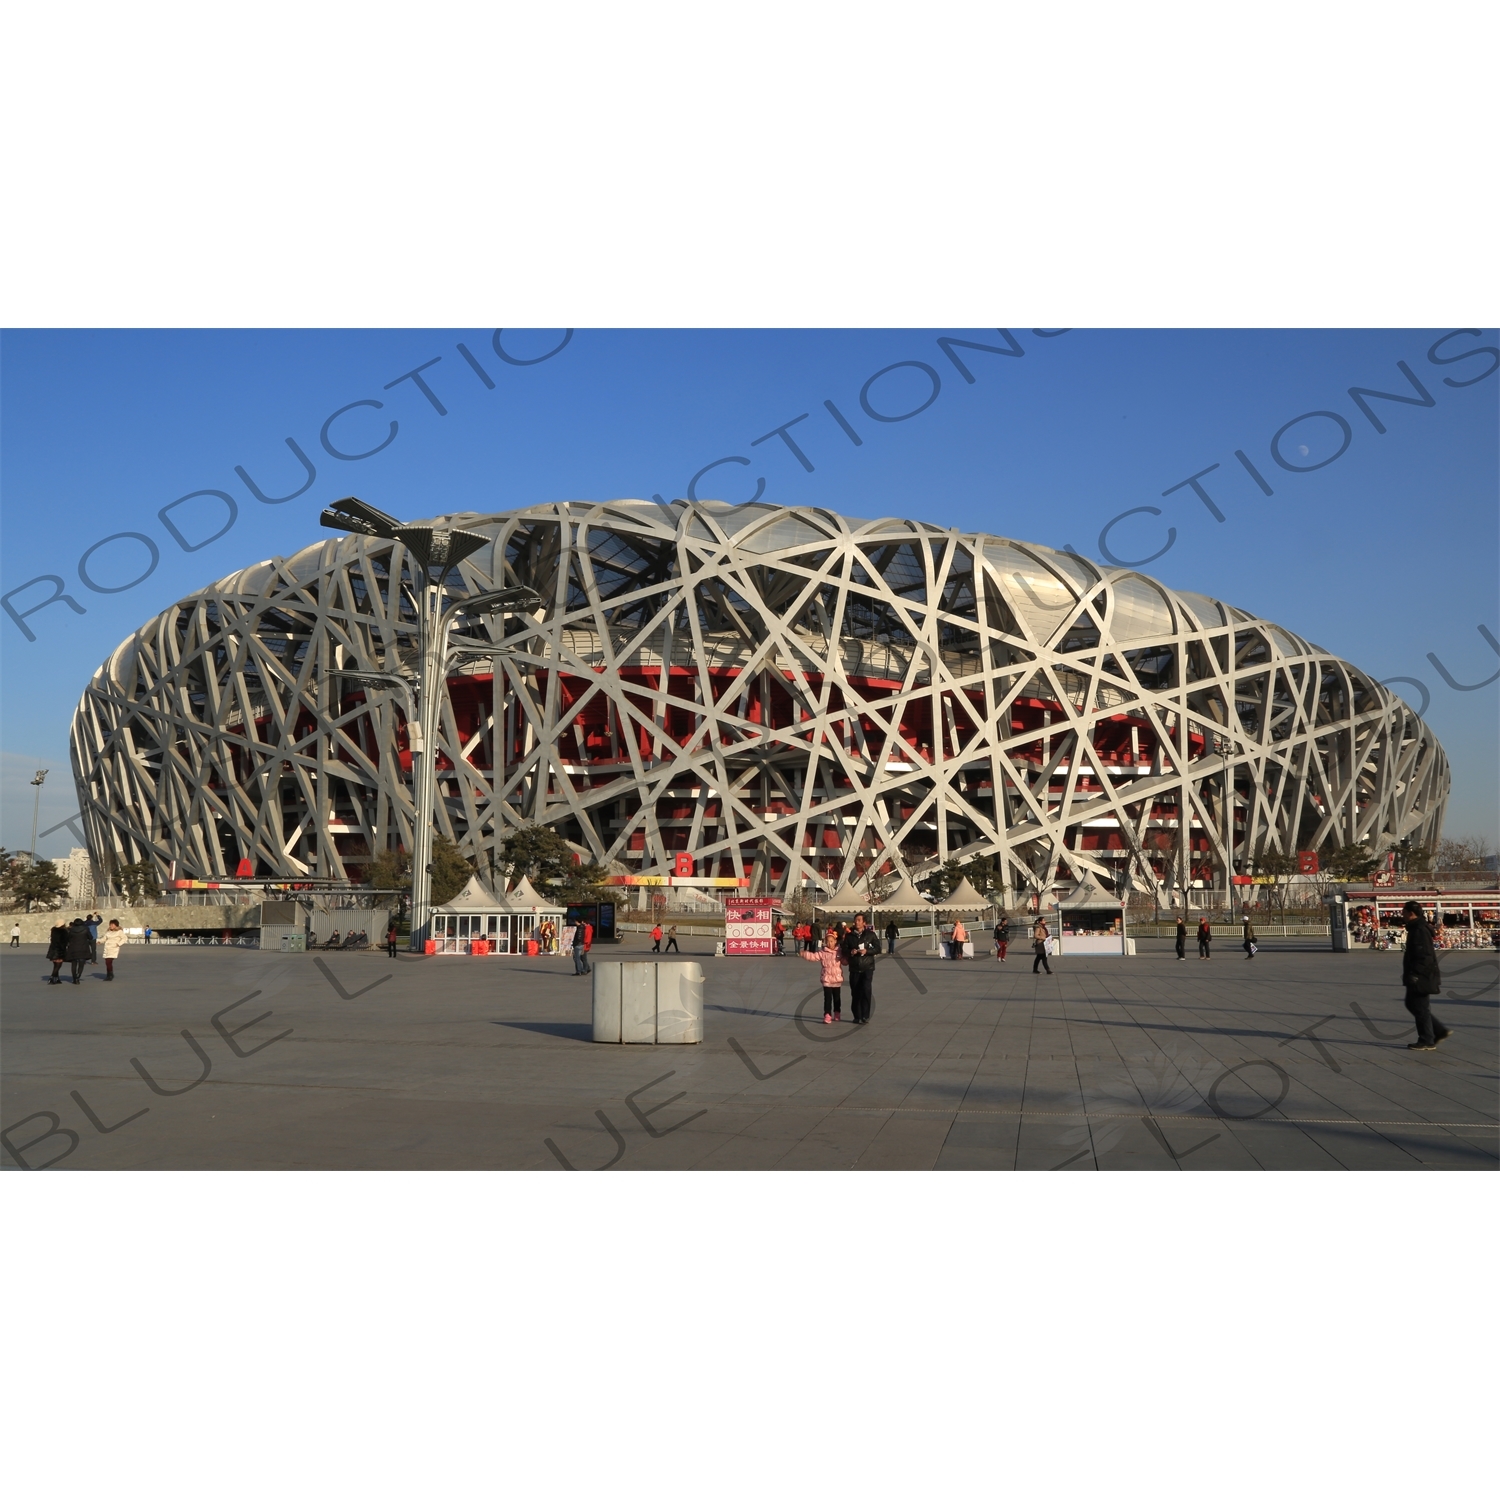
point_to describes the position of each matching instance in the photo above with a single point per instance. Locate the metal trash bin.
(648, 1003)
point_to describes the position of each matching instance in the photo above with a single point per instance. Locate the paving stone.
(355, 1062)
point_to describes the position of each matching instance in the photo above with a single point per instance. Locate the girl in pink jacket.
(833, 976)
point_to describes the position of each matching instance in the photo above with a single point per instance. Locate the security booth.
(474, 922)
(481, 924)
(1091, 919)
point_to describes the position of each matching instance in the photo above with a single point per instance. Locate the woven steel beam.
(784, 693)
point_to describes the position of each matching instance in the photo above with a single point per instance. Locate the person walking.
(1002, 937)
(1250, 944)
(892, 933)
(15, 935)
(656, 938)
(814, 937)
(779, 933)
(960, 937)
(1181, 940)
(80, 948)
(672, 940)
(861, 950)
(1039, 939)
(57, 950)
(1423, 979)
(390, 940)
(833, 977)
(114, 940)
(1205, 937)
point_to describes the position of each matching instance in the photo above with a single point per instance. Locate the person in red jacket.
(656, 938)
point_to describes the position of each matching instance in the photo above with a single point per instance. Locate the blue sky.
(1384, 555)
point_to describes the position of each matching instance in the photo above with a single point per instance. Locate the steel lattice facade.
(783, 693)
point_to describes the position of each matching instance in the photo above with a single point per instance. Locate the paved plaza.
(224, 1058)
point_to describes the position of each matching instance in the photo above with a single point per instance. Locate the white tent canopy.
(906, 897)
(964, 899)
(845, 901)
(1089, 895)
(526, 897)
(474, 898)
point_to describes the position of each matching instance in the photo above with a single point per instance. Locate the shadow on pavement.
(573, 1031)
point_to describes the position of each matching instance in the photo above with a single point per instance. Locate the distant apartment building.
(78, 870)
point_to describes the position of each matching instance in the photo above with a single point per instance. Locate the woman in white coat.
(112, 941)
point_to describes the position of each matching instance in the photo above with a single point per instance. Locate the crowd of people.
(79, 944)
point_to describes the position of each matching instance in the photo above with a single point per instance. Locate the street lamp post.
(441, 548)
(36, 807)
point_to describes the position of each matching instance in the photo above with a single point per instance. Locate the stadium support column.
(327, 702)
(1184, 807)
(424, 759)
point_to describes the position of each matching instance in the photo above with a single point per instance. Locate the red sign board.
(246, 870)
(1242, 879)
(1307, 862)
(747, 926)
(683, 866)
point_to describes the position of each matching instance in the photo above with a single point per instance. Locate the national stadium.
(780, 694)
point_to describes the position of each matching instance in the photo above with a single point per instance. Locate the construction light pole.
(440, 548)
(36, 807)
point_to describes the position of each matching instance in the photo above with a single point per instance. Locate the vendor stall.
(1460, 919)
(1090, 919)
(964, 902)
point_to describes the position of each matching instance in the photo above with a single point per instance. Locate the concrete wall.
(36, 927)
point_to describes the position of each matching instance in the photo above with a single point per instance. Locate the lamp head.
(440, 546)
(351, 514)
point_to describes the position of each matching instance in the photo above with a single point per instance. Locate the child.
(833, 976)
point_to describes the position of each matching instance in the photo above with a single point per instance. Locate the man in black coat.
(80, 947)
(860, 950)
(1422, 978)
